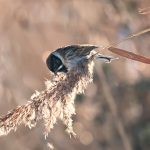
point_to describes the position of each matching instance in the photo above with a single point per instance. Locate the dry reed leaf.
(129, 55)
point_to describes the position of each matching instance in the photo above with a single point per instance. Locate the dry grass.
(55, 102)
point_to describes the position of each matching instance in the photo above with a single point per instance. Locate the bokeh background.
(114, 113)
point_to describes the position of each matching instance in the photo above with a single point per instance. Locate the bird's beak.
(55, 73)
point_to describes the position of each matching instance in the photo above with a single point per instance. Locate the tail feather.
(105, 58)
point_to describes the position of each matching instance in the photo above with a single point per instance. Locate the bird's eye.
(55, 64)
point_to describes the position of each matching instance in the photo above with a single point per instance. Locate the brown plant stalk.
(55, 102)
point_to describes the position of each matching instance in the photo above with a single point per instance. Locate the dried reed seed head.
(55, 102)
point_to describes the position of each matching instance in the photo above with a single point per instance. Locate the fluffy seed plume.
(55, 102)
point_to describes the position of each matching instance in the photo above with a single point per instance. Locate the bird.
(66, 58)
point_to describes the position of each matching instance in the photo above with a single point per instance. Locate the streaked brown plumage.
(66, 58)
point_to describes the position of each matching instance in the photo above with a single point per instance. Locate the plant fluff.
(55, 102)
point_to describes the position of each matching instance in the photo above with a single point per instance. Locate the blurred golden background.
(114, 113)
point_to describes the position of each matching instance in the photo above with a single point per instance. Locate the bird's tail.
(105, 58)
